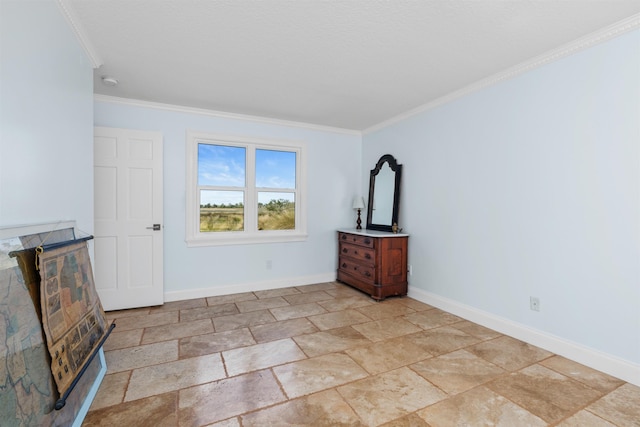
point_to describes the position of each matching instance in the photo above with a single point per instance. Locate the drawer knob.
(344, 237)
(344, 265)
(367, 256)
(367, 241)
(345, 250)
(367, 273)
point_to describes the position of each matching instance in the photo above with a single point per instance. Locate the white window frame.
(250, 234)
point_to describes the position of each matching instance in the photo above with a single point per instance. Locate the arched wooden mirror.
(384, 194)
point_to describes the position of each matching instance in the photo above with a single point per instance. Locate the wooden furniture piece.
(373, 261)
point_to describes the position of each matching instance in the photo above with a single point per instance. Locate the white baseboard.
(248, 287)
(607, 363)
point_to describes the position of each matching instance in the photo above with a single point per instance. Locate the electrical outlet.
(534, 303)
(410, 270)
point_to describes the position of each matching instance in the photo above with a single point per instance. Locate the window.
(244, 190)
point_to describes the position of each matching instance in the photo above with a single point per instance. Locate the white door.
(128, 218)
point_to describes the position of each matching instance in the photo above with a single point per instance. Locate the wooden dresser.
(373, 261)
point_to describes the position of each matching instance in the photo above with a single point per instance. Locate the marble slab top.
(372, 233)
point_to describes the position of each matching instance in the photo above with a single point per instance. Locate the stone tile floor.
(328, 355)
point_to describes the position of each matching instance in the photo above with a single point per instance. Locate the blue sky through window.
(221, 197)
(225, 166)
(221, 165)
(266, 197)
(275, 169)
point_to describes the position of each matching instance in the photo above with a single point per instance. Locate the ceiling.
(348, 64)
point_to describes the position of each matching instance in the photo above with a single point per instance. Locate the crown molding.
(70, 16)
(602, 35)
(222, 114)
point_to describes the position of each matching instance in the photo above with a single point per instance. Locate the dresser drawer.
(357, 269)
(364, 254)
(356, 239)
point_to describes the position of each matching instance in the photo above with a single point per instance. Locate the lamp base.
(359, 222)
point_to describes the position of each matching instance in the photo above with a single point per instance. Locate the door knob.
(156, 227)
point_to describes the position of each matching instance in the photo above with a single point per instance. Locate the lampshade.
(358, 203)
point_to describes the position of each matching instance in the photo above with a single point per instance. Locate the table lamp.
(358, 203)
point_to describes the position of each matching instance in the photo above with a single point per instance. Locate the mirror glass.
(382, 210)
(384, 194)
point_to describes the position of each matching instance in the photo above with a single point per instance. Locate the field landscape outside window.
(224, 190)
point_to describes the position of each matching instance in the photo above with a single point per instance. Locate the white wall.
(333, 174)
(46, 118)
(532, 188)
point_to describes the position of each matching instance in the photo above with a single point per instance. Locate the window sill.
(253, 239)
